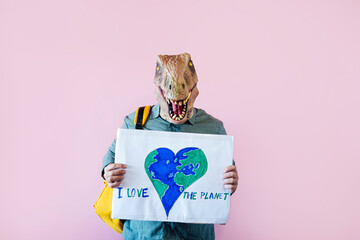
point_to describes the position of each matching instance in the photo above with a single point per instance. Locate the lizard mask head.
(176, 87)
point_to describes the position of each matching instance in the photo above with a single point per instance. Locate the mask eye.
(157, 67)
(191, 66)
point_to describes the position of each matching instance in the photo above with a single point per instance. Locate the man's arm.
(109, 157)
(112, 172)
(230, 173)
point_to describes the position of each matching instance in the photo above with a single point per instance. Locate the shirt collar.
(155, 113)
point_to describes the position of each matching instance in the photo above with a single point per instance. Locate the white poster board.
(171, 176)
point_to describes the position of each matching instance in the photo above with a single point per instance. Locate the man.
(176, 91)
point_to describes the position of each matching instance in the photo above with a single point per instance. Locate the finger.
(230, 181)
(114, 185)
(230, 168)
(116, 172)
(229, 186)
(112, 179)
(113, 166)
(231, 175)
(232, 188)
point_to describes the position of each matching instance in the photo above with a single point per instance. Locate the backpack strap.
(141, 115)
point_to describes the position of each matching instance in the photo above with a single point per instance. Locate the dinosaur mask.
(176, 90)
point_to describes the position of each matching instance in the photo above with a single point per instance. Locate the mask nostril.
(183, 85)
(170, 87)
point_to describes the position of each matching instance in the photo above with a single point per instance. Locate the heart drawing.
(171, 174)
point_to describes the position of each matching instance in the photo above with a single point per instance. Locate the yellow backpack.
(104, 203)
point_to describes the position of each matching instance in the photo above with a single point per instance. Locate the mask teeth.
(180, 106)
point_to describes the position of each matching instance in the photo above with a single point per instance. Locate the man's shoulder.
(131, 115)
(203, 116)
(207, 123)
(129, 119)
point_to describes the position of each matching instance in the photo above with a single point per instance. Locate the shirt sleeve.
(110, 154)
(222, 130)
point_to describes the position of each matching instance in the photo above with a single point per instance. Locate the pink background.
(283, 76)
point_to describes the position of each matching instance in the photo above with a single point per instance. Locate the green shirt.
(200, 122)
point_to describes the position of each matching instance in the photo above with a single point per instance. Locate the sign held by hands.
(176, 177)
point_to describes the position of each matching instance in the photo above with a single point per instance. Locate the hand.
(231, 178)
(114, 174)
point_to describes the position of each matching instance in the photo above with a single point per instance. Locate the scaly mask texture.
(176, 87)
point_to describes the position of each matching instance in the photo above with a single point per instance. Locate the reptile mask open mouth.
(177, 108)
